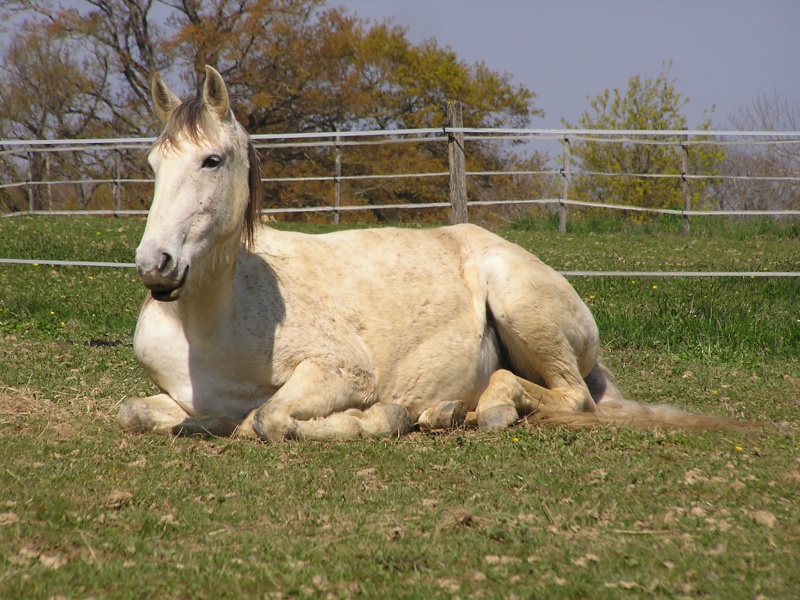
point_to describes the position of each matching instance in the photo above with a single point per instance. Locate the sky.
(724, 53)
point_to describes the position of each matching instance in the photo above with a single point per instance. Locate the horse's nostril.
(166, 261)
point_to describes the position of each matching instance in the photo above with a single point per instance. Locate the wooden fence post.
(562, 207)
(687, 193)
(457, 163)
(337, 174)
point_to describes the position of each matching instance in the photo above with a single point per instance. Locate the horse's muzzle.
(165, 281)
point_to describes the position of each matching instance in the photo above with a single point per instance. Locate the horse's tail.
(611, 407)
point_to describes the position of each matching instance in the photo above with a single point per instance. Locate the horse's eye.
(212, 161)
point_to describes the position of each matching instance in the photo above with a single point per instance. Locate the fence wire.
(739, 274)
(680, 139)
(23, 149)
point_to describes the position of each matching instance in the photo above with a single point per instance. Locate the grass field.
(86, 511)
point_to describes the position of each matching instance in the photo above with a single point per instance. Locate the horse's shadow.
(255, 278)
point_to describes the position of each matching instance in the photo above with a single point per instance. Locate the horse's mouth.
(163, 294)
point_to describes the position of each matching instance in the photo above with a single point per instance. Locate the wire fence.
(108, 176)
(734, 274)
(103, 162)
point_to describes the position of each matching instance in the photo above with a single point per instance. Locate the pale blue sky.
(723, 52)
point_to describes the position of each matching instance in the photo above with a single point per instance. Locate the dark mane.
(253, 212)
(193, 120)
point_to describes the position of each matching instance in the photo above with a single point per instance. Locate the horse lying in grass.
(348, 334)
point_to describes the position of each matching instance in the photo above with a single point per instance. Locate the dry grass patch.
(21, 409)
(28, 411)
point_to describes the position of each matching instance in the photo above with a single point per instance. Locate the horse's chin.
(172, 294)
(169, 296)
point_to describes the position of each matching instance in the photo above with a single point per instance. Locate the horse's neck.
(210, 302)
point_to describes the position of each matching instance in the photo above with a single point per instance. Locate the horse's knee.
(273, 425)
(379, 420)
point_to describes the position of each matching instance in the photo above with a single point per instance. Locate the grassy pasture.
(88, 512)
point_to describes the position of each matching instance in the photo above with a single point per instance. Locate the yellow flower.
(515, 440)
(52, 312)
(655, 287)
(739, 448)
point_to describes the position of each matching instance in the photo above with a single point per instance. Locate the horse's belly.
(453, 365)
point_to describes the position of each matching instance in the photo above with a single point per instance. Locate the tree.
(627, 168)
(331, 71)
(45, 93)
(779, 159)
(291, 66)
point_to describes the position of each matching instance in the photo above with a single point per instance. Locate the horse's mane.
(193, 120)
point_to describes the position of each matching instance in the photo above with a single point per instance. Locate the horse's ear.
(164, 100)
(215, 94)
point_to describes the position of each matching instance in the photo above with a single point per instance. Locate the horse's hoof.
(457, 414)
(130, 415)
(498, 417)
(447, 415)
(398, 419)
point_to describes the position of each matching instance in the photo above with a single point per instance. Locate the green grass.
(86, 511)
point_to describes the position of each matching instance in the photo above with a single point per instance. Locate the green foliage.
(633, 173)
(86, 511)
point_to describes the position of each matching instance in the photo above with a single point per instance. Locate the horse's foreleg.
(319, 402)
(157, 414)
(161, 414)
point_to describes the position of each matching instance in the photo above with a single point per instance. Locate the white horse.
(348, 334)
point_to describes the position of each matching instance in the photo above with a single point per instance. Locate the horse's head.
(207, 180)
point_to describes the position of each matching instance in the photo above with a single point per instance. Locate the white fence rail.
(28, 150)
(559, 167)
